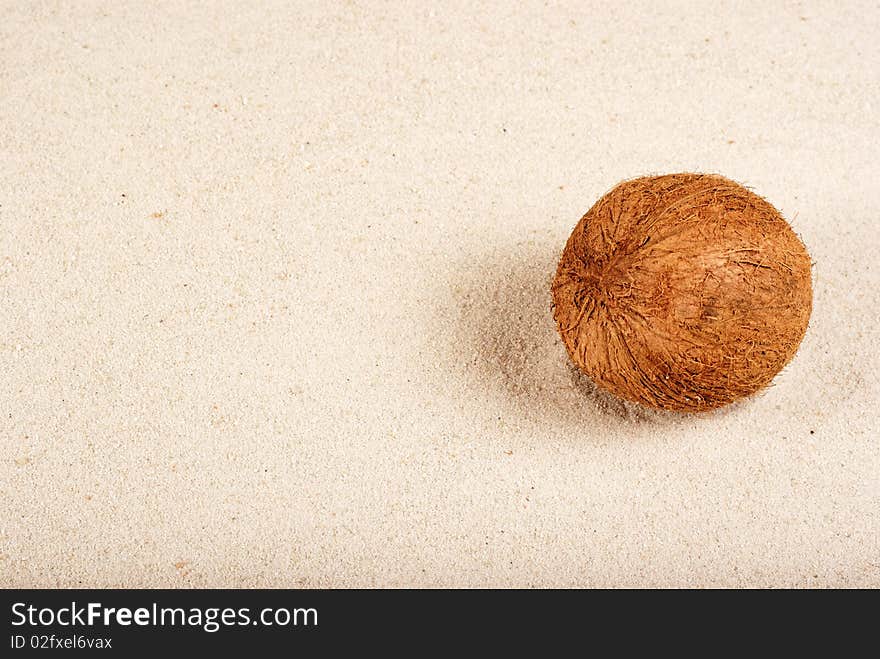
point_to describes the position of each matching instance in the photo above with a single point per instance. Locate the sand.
(275, 294)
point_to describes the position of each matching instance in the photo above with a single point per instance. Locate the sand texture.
(276, 310)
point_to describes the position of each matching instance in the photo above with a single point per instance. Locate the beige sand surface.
(275, 308)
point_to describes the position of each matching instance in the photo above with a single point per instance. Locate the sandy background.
(275, 308)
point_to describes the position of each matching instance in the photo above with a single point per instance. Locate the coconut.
(682, 292)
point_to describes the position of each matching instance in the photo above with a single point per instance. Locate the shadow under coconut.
(506, 339)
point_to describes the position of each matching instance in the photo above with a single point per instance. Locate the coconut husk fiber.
(682, 292)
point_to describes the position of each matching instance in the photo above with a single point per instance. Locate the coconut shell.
(682, 292)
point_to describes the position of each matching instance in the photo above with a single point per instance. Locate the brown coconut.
(682, 292)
